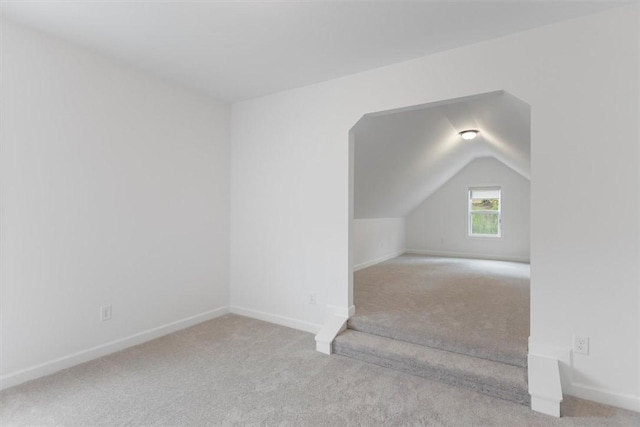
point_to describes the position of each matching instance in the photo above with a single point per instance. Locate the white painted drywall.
(376, 240)
(290, 191)
(242, 49)
(115, 190)
(403, 157)
(439, 225)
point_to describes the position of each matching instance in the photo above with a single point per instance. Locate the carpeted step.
(485, 376)
(478, 308)
(465, 342)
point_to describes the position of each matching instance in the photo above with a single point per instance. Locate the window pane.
(485, 193)
(484, 223)
(485, 204)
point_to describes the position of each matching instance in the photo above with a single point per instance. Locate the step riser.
(509, 359)
(446, 376)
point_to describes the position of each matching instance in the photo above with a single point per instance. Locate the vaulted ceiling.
(402, 157)
(235, 50)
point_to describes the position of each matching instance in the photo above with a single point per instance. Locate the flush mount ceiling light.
(469, 134)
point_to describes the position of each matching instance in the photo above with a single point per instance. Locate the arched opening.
(439, 232)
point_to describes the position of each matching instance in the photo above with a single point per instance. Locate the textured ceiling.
(235, 50)
(402, 157)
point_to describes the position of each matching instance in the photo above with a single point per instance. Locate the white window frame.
(469, 212)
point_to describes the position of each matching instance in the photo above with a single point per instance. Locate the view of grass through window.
(484, 211)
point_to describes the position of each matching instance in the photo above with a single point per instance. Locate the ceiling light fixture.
(469, 134)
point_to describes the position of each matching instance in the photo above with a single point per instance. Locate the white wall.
(290, 186)
(439, 225)
(376, 240)
(402, 157)
(115, 190)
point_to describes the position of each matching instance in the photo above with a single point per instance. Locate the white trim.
(545, 406)
(467, 255)
(544, 384)
(470, 212)
(561, 354)
(52, 366)
(377, 260)
(289, 322)
(541, 349)
(333, 326)
(346, 312)
(582, 391)
(608, 397)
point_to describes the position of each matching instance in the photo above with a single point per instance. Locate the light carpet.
(483, 376)
(474, 307)
(238, 371)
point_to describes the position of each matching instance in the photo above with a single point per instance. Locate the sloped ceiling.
(235, 50)
(402, 157)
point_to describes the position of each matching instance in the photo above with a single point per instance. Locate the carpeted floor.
(474, 307)
(238, 371)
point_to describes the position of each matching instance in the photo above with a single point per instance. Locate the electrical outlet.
(312, 299)
(105, 313)
(581, 345)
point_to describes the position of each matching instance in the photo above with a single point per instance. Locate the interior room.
(217, 213)
(438, 222)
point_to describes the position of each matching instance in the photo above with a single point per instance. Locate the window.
(484, 212)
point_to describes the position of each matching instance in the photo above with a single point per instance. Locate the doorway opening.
(439, 232)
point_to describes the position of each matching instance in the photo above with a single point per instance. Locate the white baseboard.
(48, 368)
(466, 255)
(544, 384)
(582, 391)
(289, 322)
(377, 260)
(345, 312)
(561, 354)
(331, 329)
(608, 397)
